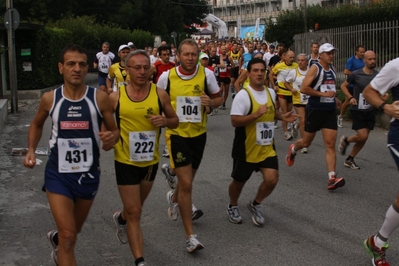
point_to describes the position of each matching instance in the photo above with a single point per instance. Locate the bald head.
(289, 58)
(369, 60)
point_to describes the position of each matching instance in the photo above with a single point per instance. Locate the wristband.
(381, 107)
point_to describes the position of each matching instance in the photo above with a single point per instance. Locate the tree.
(160, 17)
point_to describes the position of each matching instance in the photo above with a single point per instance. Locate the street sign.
(11, 19)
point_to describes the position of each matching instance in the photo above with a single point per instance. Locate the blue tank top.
(324, 81)
(74, 141)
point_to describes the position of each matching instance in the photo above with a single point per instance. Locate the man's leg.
(235, 189)
(182, 195)
(133, 197)
(270, 179)
(69, 217)
(284, 108)
(329, 138)
(360, 139)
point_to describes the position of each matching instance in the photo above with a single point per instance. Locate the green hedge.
(47, 43)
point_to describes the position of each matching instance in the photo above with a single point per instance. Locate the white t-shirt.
(242, 102)
(387, 78)
(213, 87)
(296, 81)
(266, 57)
(153, 59)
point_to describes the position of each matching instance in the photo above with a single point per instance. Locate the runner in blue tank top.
(72, 171)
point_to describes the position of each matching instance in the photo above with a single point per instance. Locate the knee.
(185, 187)
(133, 213)
(272, 182)
(362, 138)
(67, 239)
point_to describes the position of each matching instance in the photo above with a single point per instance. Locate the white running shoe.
(340, 121)
(234, 214)
(170, 179)
(120, 229)
(192, 244)
(173, 210)
(257, 216)
(54, 252)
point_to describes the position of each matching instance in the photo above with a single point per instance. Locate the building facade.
(250, 10)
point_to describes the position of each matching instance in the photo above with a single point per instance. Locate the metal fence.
(382, 38)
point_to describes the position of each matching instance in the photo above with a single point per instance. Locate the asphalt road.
(305, 223)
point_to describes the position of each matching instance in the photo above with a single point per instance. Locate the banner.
(249, 32)
(257, 28)
(239, 26)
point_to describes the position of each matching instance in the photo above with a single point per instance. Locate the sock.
(350, 158)
(331, 175)
(55, 239)
(120, 220)
(293, 150)
(254, 203)
(171, 173)
(391, 222)
(141, 259)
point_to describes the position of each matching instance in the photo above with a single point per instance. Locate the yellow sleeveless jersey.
(185, 97)
(282, 70)
(255, 142)
(299, 98)
(235, 57)
(119, 75)
(139, 139)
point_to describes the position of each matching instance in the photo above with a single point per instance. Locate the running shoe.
(343, 144)
(170, 179)
(290, 157)
(351, 164)
(275, 124)
(192, 244)
(54, 252)
(340, 121)
(165, 152)
(287, 136)
(173, 210)
(223, 106)
(196, 213)
(215, 111)
(120, 229)
(304, 150)
(234, 214)
(335, 182)
(143, 263)
(377, 254)
(294, 130)
(257, 216)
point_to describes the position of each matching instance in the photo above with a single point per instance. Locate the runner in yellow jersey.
(191, 88)
(138, 108)
(252, 114)
(117, 75)
(281, 70)
(234, 58)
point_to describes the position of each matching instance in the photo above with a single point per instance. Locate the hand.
(158, 120)
(108, 140)
(329, 94)
(294, 91)
(289, 117)
(205, 99)
(353, 101)
(261, 111)
(392, 109)
(30, 160)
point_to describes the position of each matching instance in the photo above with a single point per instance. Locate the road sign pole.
(11, 54)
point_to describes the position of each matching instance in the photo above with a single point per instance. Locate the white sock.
(391, 222)
(331, 175)
(378, 242)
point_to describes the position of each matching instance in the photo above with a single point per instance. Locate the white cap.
(204, 55)
(130, 43)
(123, 46)
(327, 47)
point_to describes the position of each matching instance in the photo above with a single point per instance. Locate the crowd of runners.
(170, 92)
